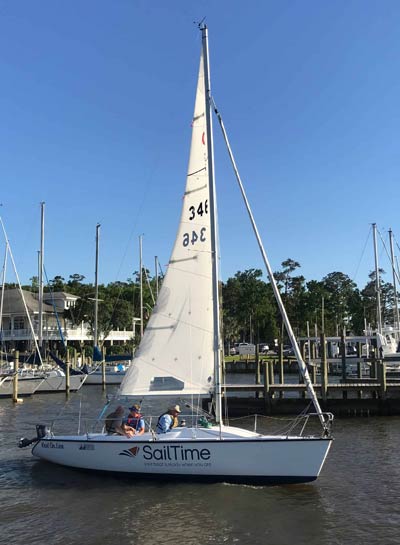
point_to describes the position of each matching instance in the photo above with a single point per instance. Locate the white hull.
(241, 456)
(112, 377)
(26, 386)
(54, 384)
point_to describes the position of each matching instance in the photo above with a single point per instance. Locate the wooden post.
(372, 369)
(75, 358)
(314, 353)
(67, 377)
(281, 374)
(382, 378)
(301, 381)
(15, 381)
(258, 369)
(267, 400)
(303, 349)
(359, 363)
(271, 375)
(343, 354)
(324, 369)
(314, 374)
(103, 369)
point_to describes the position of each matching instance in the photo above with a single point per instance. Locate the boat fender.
(204, 423)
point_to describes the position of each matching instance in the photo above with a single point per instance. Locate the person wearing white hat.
(168, 420)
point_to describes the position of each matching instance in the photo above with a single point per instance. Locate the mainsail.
(175, 355)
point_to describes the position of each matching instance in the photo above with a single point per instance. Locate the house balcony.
(81, 333)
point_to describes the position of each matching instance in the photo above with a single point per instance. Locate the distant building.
(17, 331)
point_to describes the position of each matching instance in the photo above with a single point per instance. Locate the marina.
(242, 386)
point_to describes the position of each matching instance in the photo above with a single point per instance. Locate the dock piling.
(15, 378)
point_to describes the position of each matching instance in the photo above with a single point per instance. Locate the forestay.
(175, 355)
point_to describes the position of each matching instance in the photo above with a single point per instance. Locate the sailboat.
(180, 357)
(115, 373)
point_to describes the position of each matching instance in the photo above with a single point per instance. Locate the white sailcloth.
(175, 355)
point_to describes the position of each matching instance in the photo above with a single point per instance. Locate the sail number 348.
(194, 236)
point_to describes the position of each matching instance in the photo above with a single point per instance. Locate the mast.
(96, 284)
(41, 257)
(377, 284)
(213, 229)
(141, 283)
(21, 291)
(396, 303)
(3, 283)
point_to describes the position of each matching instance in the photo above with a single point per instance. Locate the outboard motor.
(41, 431)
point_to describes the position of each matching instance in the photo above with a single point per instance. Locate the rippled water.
(355, 500)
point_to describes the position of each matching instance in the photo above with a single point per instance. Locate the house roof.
(13, 304)
(61, 295)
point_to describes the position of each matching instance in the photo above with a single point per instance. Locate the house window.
(19, 323)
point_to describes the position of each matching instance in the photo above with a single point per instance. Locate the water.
(354, 501)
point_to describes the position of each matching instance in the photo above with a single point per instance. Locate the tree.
(248, 307)
(339, 290)
(57, 284)
(293, 293)
(370, 301)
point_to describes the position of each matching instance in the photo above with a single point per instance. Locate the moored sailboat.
(180, 356)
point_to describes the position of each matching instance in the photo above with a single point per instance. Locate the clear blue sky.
(96, 103)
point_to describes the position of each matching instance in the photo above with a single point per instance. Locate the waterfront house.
(17, 332)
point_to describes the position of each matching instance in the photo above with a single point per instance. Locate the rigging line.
(21, 292)
(388, 255)
(119, 298)
(149, 285)
(145, 189)
(285, 318)
(2, 292)
(362, 253)
(161, 271)
(398, 247)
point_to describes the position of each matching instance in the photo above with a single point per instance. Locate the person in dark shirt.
(115, 425)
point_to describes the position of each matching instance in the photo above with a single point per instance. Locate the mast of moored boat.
(41, 257)
(396, 302)
(3, 284)
(96, 295)
(20, 289)
(377, 284)
(213, 229)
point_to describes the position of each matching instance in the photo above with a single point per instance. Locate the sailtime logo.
(131, 452)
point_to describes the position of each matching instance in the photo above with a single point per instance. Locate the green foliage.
(249, 310)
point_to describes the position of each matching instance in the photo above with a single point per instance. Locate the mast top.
(202, 26)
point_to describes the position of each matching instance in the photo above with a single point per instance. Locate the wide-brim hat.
(175, 408)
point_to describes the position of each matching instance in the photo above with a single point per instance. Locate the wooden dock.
(275, 393)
